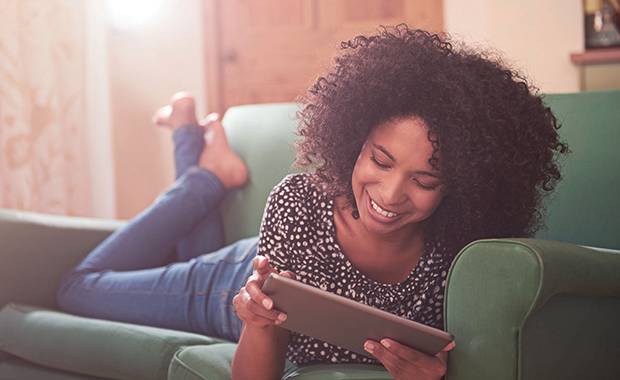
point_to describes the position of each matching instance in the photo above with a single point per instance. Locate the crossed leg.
(124, 278)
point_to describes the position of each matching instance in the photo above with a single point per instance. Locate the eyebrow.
(421, 172)
(381, 148)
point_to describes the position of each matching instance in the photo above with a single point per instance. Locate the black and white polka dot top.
(298, 234)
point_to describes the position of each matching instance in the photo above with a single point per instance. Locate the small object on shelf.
(600, 24)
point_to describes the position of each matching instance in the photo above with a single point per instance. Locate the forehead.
(406, 141)
(410, 129)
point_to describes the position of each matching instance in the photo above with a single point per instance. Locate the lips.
(381, 211)
(379, 214)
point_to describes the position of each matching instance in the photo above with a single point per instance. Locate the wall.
(538, 36)
(42, 111)
(148, 63)
(98, 125)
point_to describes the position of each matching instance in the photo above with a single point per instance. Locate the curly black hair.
(498, 142)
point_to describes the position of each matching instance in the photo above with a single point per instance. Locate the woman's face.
(394, 185)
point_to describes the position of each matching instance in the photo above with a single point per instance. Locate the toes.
(212, 117)
(181, 95)
(162, 115)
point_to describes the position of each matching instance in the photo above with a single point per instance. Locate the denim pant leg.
(194, 296)
(208, 234)
(112, 282)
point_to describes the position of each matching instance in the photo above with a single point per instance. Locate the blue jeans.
(129, 277)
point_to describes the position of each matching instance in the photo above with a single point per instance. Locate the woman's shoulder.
(297, 186)
(296, 196)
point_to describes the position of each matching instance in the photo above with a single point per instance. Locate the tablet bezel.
(346, 323)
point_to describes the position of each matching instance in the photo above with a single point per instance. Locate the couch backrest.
(262, 136)
(585, 208)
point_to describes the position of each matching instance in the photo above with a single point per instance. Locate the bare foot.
(181, 111)
(219, 158)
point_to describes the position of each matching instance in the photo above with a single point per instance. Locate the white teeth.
(382, 211)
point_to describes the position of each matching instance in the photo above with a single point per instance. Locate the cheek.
(361, 175)
(429, 202)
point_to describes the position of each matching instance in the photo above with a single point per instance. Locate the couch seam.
(175, 359)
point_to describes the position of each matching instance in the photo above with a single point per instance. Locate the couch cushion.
(584, 209)
(37, 249)
(213, 363)
(91, 346)
(23, 370)
(202, 363)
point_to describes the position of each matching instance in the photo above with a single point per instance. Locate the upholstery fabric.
(91, 347)
(261, 135)
(502, 294)
(519, 309)
(585, 208)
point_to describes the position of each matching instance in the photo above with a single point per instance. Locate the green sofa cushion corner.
(202, 363)
(91, 346)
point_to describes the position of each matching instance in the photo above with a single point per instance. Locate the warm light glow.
(132, 13)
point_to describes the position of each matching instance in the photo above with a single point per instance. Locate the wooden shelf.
(594, 56)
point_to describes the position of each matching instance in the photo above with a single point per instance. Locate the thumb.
(449, 346)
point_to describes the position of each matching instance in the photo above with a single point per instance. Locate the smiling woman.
(482, 118)
(420, 148)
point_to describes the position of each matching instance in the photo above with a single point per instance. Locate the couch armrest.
(38, 249)
(92, 346)
(507, 299)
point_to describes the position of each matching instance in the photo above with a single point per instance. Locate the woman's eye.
(424, 187)
(382, 166)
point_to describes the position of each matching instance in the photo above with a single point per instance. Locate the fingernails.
(370, 347)
(281, 317)
(267, 304)
(385, 343)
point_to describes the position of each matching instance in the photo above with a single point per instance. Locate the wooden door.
(263, 51)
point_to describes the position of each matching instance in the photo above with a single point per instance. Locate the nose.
(393, 191)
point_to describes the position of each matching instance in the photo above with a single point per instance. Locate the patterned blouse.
(298, 234)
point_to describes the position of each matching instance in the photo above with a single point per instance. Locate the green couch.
(546, 308)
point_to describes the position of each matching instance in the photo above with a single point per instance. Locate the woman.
(418, 149)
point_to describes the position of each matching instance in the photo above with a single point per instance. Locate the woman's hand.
(406, 363)
(252, 305)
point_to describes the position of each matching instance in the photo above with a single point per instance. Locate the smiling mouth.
(381, 211)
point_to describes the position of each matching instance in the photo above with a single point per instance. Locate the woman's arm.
(261, 353)
(262, 346)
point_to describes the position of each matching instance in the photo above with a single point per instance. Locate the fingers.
(253, 288)
(289, 274)
(263, 269)
(449, 346)
(251, 304)
(255, 313)
(403, 361)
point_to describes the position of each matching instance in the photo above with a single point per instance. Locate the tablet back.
(346, 323)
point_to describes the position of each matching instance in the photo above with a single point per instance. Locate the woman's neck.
(385, 258)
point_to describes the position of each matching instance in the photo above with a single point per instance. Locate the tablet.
(344, 322)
